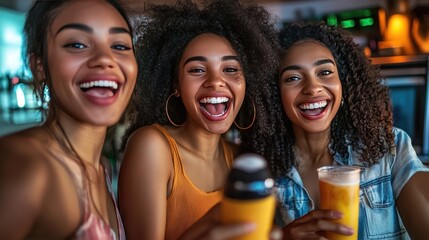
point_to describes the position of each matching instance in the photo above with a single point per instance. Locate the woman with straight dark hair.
(52, 182)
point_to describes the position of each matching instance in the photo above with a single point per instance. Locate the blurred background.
(393, 33)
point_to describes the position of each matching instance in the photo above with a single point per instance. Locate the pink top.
(92, 225)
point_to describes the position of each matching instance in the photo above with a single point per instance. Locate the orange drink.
(339, 190)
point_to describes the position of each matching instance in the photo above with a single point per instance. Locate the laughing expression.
(211, 83)
(91, 62)
(310, 87)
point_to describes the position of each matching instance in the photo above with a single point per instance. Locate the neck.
(203, 144)
(83, 140)
(312, 149)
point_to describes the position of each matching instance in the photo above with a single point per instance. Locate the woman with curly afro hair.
(199, 65)
(338, 112)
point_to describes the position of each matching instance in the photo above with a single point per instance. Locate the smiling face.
(92, 65)
(211, 83)
(310, 87)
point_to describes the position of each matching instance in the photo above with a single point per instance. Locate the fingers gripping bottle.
(248, 196)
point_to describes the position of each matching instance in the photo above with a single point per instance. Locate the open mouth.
(100, 88)
(215, 106)
(313, 109)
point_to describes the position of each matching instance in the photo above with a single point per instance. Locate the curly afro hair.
(166, 30)
(363, 122)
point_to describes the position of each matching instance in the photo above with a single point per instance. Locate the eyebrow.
(323, 61)
(77, 26)
(86, 28)
(119, 30)
(317, 63)
(204, 59)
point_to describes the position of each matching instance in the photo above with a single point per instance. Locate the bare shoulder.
(8, 143)
(145, 172)
(147, 152)
(23, 148)
(147, 138)
(144, 178)
(22, 155)
(23, 180)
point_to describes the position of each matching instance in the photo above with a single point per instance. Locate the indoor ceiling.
(24, 5)
(139, 4)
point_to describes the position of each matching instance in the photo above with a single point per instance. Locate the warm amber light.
(382, 19)
(421, 41)
(397, 32)
(398, 27)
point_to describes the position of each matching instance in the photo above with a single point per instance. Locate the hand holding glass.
(339, 190)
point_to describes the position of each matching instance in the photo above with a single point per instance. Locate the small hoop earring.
(166, 110)
(253, 119)
(342, 102)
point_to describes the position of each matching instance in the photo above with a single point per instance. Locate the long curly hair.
(165, 31)
(363, 122)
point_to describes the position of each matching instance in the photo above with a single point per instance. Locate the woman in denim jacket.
(336, 111)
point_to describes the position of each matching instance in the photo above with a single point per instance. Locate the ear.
(176, 93)
(37, 67)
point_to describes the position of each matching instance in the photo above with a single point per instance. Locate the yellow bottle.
(248, 196)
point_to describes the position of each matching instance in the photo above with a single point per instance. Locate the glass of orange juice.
(339, 190)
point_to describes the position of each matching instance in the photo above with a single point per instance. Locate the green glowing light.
(348, 23)
(332, 20)
(365, 22)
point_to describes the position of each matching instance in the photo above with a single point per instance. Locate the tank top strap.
(174, 149)
(227, 151)
(121, 230)
(91, 226)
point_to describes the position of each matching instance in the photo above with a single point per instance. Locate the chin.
(108, 122)
(221, 129)
(316, 129)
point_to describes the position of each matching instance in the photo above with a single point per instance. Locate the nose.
(215, 80)
(312, 86)
(102, 57)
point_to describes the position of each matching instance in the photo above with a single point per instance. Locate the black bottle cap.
(249, 178)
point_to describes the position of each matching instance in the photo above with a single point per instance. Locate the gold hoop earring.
(254, 117)
(166, 110)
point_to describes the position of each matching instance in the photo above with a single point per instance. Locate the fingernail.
(276, 234)
(249, 226)
(336, 214)
(348, 231)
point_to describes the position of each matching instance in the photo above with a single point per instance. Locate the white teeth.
(100, 83)
(214, 100)
(316, 105)
(215, 115)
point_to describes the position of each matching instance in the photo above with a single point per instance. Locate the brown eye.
(325, 72)
(231, 70)
(75, 45)
(121, 47)
(291, 79)
(196, 70)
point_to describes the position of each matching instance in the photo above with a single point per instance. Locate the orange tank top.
(186, 203)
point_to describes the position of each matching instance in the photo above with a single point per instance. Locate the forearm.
(413, 206)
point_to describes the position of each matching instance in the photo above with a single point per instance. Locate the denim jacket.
(380, 185)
